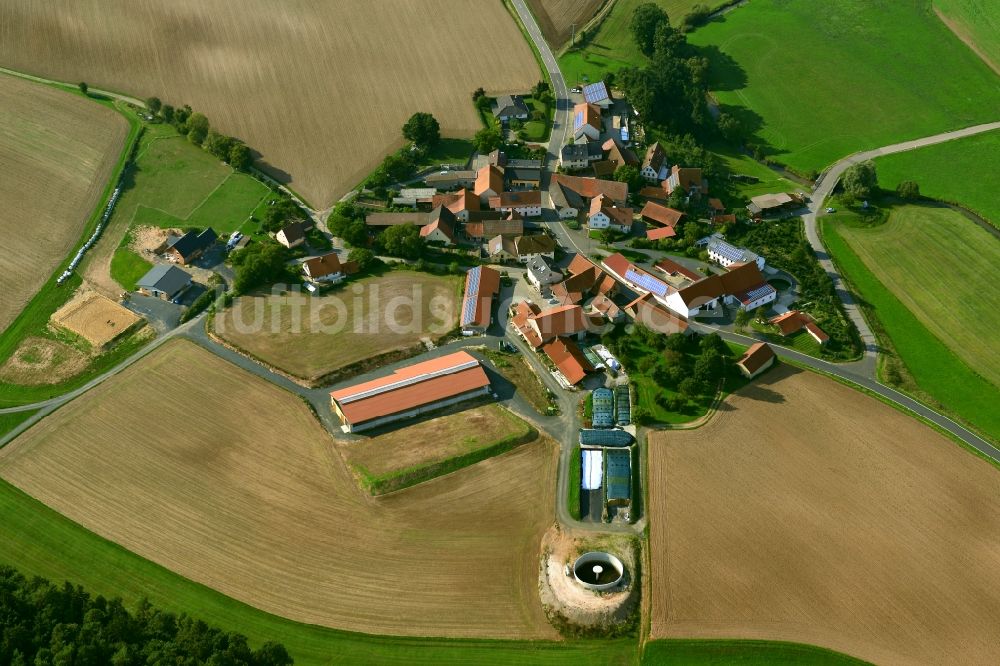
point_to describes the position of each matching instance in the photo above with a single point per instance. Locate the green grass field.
(611, 48)
(933, 260)
(977, 21)
(832, 78)
(770, 181)
(177, 185)
(10, 421)
(39, 541)
(965, 171)
(934, 367)
(724, 652)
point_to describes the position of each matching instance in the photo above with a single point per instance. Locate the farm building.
(623, 404)
(538, 326)
(383, 220)
(440, 227)
(482, 284)
(647, 311)
(794, 321)
(164, 282)
(415, 197)
(726, 254)
(292, 235)
(618, 477)
(676, 273)
(571, 194)
(328, 268)
(598, 93)
(688, 180)
(601, 438)
(605, 214)
(462, 203)
(586, 281)
(587, 124)
(765, 205)
(569, 360)
(509, 107)
(489, 183)
(482, 229)
(448, 179)
(540, 274)
(190, 246)
(660, 233)
(580, 155)
(410, 391)
(603, 414)
(522, 248)
(617, 154)
(660, 216)
(756, 360)
(524, 203)
(654, 164)
(522, 177)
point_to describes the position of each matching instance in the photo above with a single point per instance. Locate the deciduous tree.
(422, 129)
(860, 180)
(646, 18)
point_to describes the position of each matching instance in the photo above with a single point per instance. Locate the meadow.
(184, 445)
(965, 172)
(768, 180)
(399, 457)
(807, 511)
(936, 373)
(58, 152)
(367, 318)
(173, 184)
(976, 23)
(828, 79)
(261, 72)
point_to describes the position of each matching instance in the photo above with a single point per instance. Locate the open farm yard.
(828, 79)
(401, 456)
(975, 22)
(58, 152)
(969, 173)
(231, 482)
(911, 300)
(312, 336)
(261, 71)
(807, 511)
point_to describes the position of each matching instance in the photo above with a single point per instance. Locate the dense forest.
(42, 624)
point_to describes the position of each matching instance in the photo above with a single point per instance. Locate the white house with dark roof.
(508, 107)
(726, 254)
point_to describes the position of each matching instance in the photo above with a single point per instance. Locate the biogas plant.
(589, 584)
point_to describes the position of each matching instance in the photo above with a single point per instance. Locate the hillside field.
(832, 78)
(556, 17)
(58, 152)
(808, 511)
(965, 171)
(975, 22)
(262, 71)
(321, 334)
(931, 361)
(184, 445)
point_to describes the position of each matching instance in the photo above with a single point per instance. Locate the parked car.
(831, 210)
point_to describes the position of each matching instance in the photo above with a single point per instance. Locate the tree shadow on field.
(274, 172)
(724, 73)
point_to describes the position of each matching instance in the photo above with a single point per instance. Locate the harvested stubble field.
(320, 89)
(57, 152)
(432, 441)
(96, 319)
(227, 480)
(807, 511)
(312, 336)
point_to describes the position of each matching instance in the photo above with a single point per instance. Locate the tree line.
(44, 624)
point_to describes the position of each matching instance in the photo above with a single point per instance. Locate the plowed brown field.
(57, 152)
(229, 481)
(556, 17)
(321, 89)
(806, 511)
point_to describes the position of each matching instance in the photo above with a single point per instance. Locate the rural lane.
(824, 187)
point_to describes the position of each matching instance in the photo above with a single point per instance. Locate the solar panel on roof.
(646, 281)
(471, 295)
(578, 121)
(595, 92)
(759, 292)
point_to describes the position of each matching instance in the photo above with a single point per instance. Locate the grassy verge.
(936, 372)
(411, 476)
(712, 652)
(517, 372)
(573, 491)
(39, 541)
(10, 421)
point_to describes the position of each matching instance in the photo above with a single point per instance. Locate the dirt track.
(229, 481)
(808, 512)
